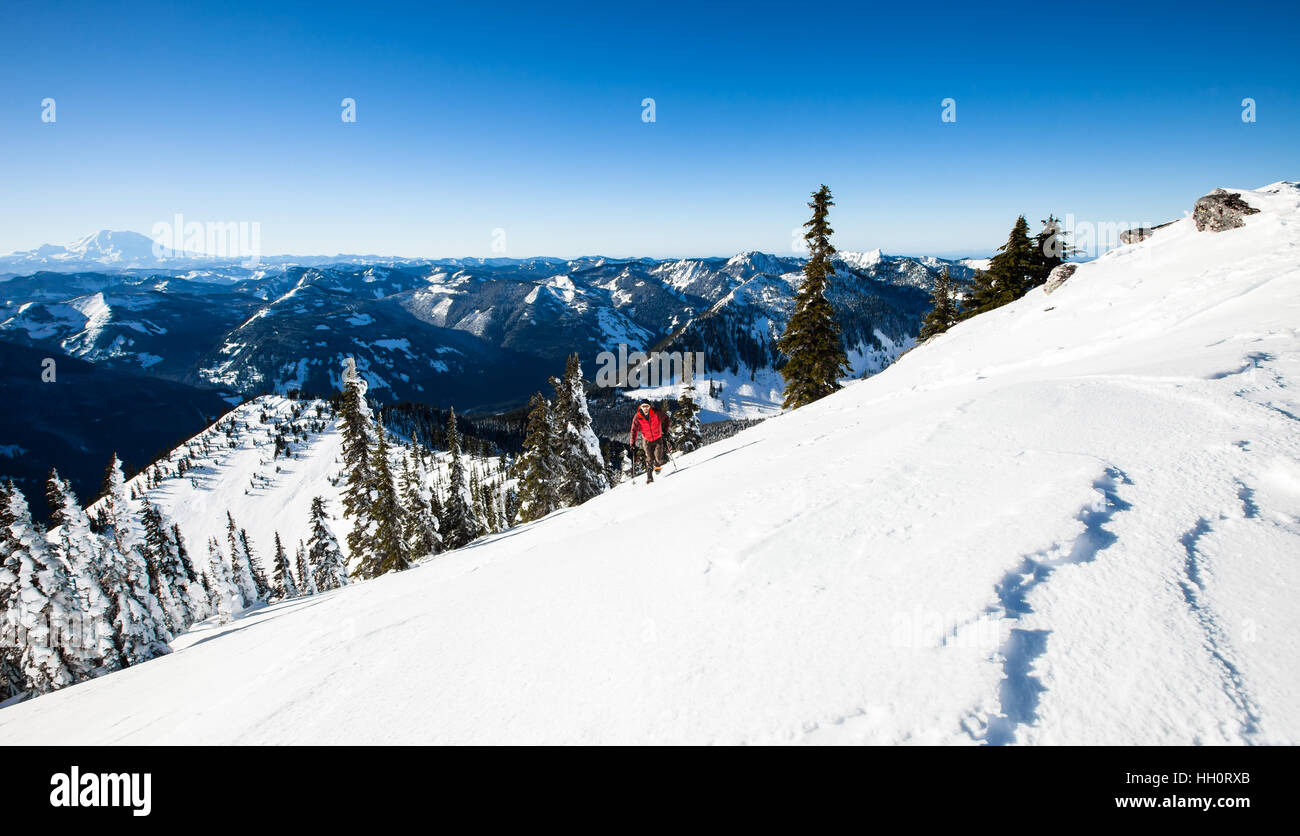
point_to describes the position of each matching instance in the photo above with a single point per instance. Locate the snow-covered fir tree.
(540, 467)
(197, 593)
(240, 563)
(162, 567)
(685, 426)
(328, 566)
(510, 500)
(45, 603)
(260, 580)
(226, 599)
(12, 681)
(306, 582)
(282, 583)
(579, 449)
(460, 526)
(82, 552)
(419, 525)
(357, 427)
(386, 548)
(138, 621)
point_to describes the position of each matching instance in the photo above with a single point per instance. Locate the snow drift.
(1072, 520)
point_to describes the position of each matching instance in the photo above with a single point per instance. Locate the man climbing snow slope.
(647, 424)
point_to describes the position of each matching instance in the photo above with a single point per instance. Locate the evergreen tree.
(12, 680)
(436, 510)
(685, 426)
(138, 621)
(260, 582)
(240, 565)
(45, 602)
(540, 466)
(510, 503)
(943, 312)
(329, 569)
(306, 583)
(81, 551)
(387, 544)
(226, 599)
(195, 581)
(161, 565)
(1010, 274)
(815, 357)
(460, 524)
(419, 523)
(1051, 249)
(282, 585)
(579, 449)
(982, 295)
(54, 499)
(356, 425)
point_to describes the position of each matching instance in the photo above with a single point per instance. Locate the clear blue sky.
(487, 115)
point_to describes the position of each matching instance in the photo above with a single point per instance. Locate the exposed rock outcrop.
(1221, 210)
(1059, 274)
(1132, 236)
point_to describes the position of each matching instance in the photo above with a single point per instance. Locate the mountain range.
(477, 333)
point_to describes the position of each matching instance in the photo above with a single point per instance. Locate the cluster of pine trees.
(1021, 264)
(75, 603)
(562, 464)
(93, 595)
(103, 589)
(812, 344)
(397, 519)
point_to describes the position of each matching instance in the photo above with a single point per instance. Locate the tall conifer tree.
(943, 312)
(815, 357)
(328, 566)
(282, 583)
(460, 524)
(579, 449)
(356, 425)
(387, 550)
(540, 466)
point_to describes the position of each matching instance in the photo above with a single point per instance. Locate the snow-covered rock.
(1221, 210)
(1060, 273)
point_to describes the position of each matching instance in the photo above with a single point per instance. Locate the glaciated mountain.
(1070, 520)
(106, 249)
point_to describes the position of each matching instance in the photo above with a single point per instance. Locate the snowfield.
(1075, 519)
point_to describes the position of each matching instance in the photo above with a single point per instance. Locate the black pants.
(656, 455)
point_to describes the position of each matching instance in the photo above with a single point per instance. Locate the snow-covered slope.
(1072, 520)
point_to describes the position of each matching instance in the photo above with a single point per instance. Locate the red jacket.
(647, 426)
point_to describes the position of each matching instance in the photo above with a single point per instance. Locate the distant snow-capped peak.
(862, 260)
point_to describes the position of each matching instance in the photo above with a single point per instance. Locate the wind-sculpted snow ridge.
(1070, 520)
